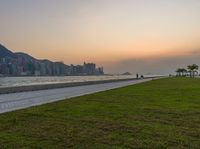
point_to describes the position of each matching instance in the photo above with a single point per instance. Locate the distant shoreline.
(3, 76)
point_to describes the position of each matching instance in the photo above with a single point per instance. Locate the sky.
(139, 36)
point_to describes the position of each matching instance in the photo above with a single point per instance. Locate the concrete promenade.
(21, 100)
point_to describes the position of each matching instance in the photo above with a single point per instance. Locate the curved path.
(15, 101)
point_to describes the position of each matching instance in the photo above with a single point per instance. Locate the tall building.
(89, 68)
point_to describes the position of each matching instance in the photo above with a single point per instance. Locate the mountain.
(127, 73)
(25, 56)
(4, 52)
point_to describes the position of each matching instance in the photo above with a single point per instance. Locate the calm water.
(21, 81)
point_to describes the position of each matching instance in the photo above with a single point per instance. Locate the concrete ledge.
(15, 89)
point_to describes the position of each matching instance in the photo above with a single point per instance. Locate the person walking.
(137, 76)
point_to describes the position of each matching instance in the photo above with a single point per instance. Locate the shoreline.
(15, 89)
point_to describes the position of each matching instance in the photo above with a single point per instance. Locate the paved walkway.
(15, 101)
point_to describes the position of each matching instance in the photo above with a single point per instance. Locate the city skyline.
(23, 64)
(130, 35)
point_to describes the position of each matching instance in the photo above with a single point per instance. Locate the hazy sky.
(122, 35)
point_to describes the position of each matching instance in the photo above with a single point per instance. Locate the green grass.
(162, 113)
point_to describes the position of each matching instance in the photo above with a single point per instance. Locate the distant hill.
(127, 73)
(25, 56)
(4, 52)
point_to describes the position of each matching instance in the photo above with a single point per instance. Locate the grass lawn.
(161, 113)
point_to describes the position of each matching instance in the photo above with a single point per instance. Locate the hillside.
(4, 52)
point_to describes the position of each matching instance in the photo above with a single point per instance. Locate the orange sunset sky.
(142, 36)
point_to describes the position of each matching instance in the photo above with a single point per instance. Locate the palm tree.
(184, 71)
(181, 72)
(193, 69)
(178, 72)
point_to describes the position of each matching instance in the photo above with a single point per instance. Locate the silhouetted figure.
(142, 77)
(137, 76)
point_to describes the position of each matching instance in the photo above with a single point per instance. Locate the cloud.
(195, 51)
(156, 65)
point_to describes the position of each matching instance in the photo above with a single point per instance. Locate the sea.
(24, 81)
